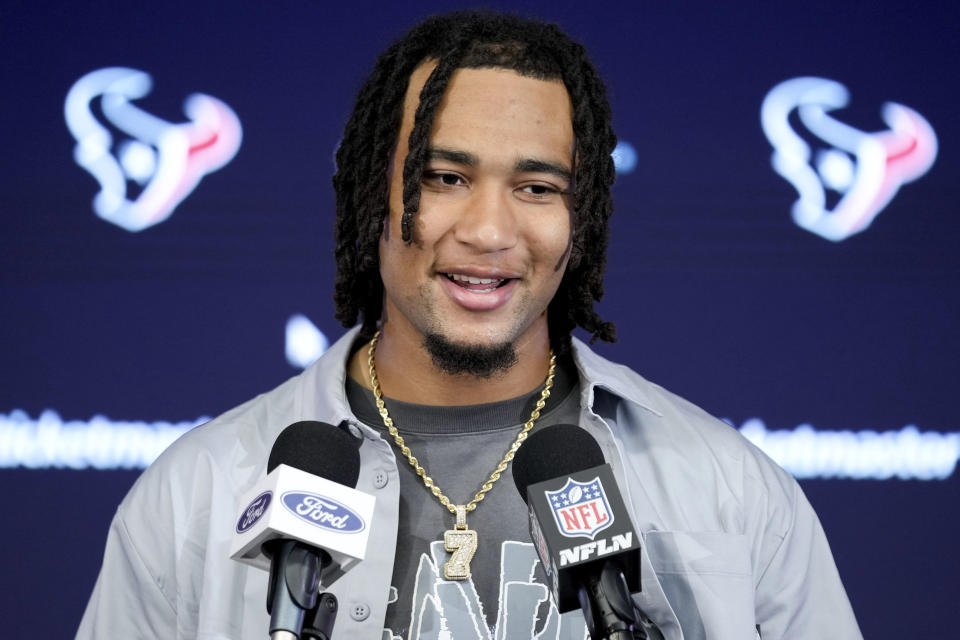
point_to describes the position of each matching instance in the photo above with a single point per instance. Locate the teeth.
(471, 279)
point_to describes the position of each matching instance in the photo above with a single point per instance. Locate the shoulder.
(219, 460)
(207, 468)
(710, 504)
(236, 444)
(652, 413)
(669, 443)
(177, 520)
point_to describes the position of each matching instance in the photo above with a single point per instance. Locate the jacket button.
(380, 479)
(359, 612)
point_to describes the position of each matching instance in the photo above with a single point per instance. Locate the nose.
(488, 221)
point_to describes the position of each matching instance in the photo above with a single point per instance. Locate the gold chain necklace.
(460, 541)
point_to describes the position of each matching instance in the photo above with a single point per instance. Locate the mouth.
(474, 284)
(480, 291)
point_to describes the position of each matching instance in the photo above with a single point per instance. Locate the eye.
(443, 178)
(539, 191)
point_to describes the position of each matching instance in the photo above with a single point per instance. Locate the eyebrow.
(531, 165)
(526, 165)
(458, 157)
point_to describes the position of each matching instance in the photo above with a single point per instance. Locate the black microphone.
(581, 529)
(321, 450)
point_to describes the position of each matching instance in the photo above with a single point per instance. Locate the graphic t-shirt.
(459, 447)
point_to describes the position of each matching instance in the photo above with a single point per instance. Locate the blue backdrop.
(718, 293)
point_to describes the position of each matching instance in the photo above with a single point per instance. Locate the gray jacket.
(729, 540)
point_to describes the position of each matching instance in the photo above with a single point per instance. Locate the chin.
(480, 360)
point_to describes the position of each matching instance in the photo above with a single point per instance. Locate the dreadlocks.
(470, 40)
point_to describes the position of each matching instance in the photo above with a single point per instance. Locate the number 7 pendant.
(462, 543)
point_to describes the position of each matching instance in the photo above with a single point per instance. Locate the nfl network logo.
(580, 508)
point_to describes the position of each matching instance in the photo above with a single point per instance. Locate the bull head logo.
(167, 160)
(865, 169)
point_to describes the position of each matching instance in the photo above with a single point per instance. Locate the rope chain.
(427, 480)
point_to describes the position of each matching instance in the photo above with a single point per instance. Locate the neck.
(408, 373)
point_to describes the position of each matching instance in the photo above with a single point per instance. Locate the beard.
(476, 360)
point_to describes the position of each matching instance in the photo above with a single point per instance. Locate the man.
(473, 193)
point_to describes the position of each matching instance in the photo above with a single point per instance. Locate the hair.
(470, 40)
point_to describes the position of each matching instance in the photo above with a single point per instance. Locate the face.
(492, 234)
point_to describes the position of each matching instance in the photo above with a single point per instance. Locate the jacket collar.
(326, 380)
(324, 396)
(598, 372)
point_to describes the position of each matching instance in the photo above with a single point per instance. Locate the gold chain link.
(427, 480)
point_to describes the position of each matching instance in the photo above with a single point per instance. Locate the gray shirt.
(459, 447)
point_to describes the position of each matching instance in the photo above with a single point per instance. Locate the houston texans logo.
(865, 169)
(166, 160)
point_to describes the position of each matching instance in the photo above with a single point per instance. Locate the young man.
(473, 199)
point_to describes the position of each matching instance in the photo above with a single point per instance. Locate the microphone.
(305, 524)
(581, 529)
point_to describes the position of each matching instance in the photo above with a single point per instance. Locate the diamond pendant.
(462, 543)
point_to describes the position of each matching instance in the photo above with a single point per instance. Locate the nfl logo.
(580, 508)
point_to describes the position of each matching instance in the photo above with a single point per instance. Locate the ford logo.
(254, 511)
(323, 512)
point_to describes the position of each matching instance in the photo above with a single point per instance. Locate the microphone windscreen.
(555, 451)
(318, 448)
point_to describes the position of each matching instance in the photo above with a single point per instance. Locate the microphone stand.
(320, 620)
(608, 607)
(295, 570)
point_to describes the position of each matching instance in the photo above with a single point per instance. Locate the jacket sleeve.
(799, 594)
(127, 601)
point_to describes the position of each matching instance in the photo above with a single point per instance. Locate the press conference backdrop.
(783, 251)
